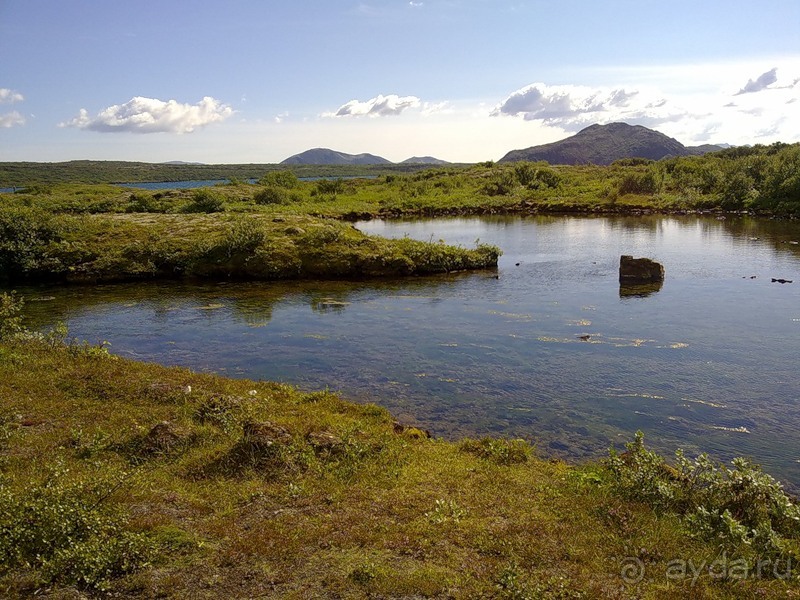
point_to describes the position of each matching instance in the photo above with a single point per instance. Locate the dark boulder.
(634, 271)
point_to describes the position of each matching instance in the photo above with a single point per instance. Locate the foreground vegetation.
(138, 480)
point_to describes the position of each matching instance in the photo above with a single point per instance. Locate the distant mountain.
(706, 148)
(182, 162)
(324, 156)
(424, 160)
(603, 144)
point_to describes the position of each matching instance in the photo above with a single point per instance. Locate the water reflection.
(641, 290)
(546, 350)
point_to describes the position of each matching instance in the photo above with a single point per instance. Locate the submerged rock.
(634, 271)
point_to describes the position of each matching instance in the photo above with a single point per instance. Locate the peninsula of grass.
(39, 246)
(135, 480)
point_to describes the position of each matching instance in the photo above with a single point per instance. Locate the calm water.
(708, 362)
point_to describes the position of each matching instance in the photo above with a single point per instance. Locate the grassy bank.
(39, 245)
(146, 481)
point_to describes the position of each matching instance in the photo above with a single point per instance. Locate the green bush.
(536, 176)
(638, 183)
(500, 183)
(244, 237)
(25, 234)
(271, 195)
(206, 201)
(143, 202)
(282, 179)
(65, 531)
(329, 187)
(742, 508)
(10, 319)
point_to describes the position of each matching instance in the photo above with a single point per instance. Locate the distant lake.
(548, 347)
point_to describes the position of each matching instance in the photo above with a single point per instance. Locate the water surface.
(547, 347)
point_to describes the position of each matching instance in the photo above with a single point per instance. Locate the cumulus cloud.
(572, 107)
(8, 96)
(11, 119)
(380, 106)
(150, 115)
(761, 83)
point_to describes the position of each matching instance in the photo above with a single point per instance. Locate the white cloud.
(380, 106)
(761, 83)
(8, 96)
(150, 115)
(436, 108)
(11, 119)
(572, 107)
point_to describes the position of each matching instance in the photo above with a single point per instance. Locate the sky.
(256, 81)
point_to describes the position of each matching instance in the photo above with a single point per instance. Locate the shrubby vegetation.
(745, 511)
(759, 179)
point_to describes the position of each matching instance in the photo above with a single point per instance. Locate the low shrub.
(25, 234)
(745, 510)
(271, 195)
(282, 179)
(10, 319)
(642, 183)
(499, 451)
(66, 531)
(206, 201)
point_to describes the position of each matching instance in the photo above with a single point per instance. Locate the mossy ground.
(253, 489)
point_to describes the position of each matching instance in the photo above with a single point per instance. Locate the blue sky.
(462, 80)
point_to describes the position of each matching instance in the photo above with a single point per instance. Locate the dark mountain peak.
(424, 160)
(602, 145)
(326, 156)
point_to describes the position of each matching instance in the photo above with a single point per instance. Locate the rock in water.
(639, 270)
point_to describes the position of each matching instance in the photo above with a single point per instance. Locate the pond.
(548, 347)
